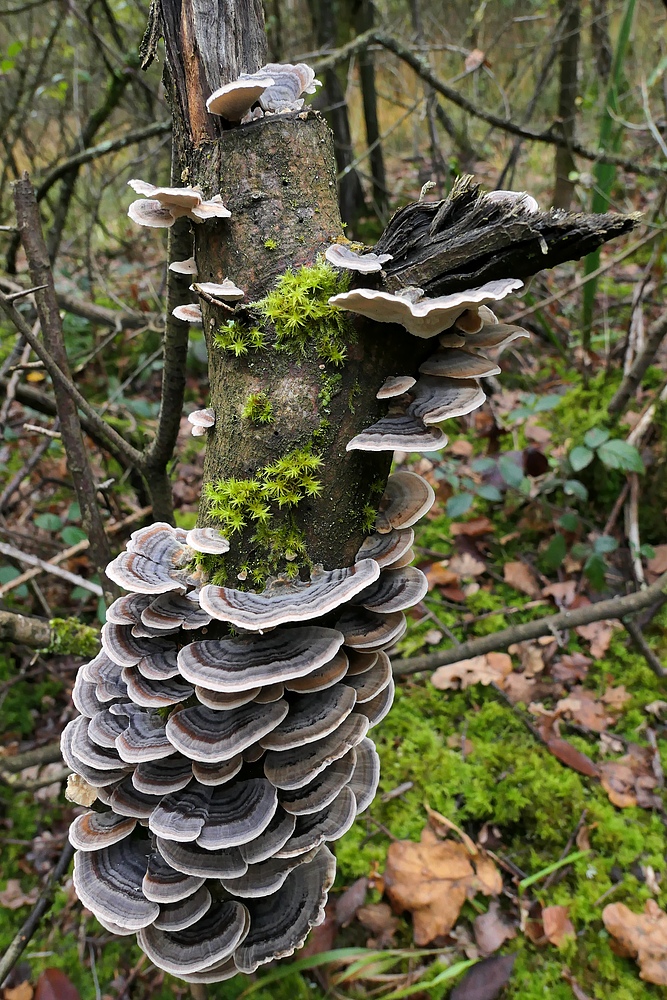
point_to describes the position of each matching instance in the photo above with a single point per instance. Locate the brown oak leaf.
(642, 936)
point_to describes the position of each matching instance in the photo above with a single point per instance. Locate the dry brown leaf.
(473, 529)
(443, 826)
(571, 667)
(571, 757)
(491, 930)
(432, 880)
(323, 936)
(13, 896)
(629, 781)
(531, 655)
(656, 707)
(658, 564)
(642, 936)
(537, 434)
(562, 593)
(585, 709)
(616, 697)
(461, 448)
(557, 924)
(53, 984)
(458, 742)
(465, 564)
(485, 980)
(489, 669)
(23, 991)
(439, 574)
(598, 635)
(521, 577)
(381, 922)
(518, 688)
(350, 901)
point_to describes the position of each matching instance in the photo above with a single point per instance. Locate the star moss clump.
(235, 503)
(298, 308)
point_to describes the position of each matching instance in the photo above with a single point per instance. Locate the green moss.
(298, 307)
(258, 408)
(72, 637)
(237, 339)
(330, 387)
(270, 244)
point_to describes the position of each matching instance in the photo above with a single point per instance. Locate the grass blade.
(442, 977)
(531, 879)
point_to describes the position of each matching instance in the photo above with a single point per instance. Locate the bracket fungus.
(223, 731)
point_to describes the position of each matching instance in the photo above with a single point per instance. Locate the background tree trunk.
(365, 19)
(567, 107)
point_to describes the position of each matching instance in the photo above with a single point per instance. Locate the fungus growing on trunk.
(229, 713)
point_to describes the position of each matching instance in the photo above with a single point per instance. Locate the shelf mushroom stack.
(226, 765)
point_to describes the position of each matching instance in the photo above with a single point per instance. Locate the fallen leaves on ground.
(642, 936)
(630, 780)
(533, 654)
(439, 574)
(53, 984)
(491, 668)
(522, 578)
(571, 667)
(349, 901)
(433, 879)
(492, 930)
(557, 924)
(485, 980)
(475, 528)
(598, 635)
(23, 991)
(13, 896)
(466, 564)
(584, 708)
(571, 757)
(381, 922)
(657, 565)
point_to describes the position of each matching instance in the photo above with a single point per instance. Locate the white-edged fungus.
(455, 363)
(395, 385)
(341, 256)
(188, 313)
(407, 497)
(425, 317)
(225, 290)
(398, 431)
(233, 100)
(151, 213)
(437, 399)
(186, 267)
(201, 420)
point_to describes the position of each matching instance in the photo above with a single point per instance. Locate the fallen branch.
(60, 636)
(117, 319)
(615, 607)
(43, 904)
(48, 754)
(423, 70)
(47, 567)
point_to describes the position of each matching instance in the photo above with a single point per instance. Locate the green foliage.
(237, 339)
(614, 453)
(72, 637)
(298, 307)
(284, 483)
(258, 408)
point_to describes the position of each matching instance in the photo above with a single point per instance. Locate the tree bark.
(364, 20)
(567, 107)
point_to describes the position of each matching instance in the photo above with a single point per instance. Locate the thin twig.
(43, 904)
(47, 567)
(642, 645)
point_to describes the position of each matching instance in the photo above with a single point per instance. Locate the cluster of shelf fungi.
(223, 734)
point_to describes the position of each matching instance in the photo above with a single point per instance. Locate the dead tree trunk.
(567, 106)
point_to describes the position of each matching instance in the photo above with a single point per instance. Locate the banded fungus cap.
(457, 363)
(438, 398)
(208, 540)
(400, 431)
(387, 547)
(92, 830)
(407, 497)
(426, 317)
(288, 602)
(210, 939)
(395, 385)
(233, 100)
(150, 213)
(341, 256)
(109, 881)
(180, 198)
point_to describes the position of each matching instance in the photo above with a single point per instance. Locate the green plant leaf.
(458, 504)
(48, 522)
(580, 457)
(594, 570)
(596, 436)
(442, 977)
(605, 543)
(510, 471)
(573, 488)
(569, 521)
(618, 454)
(556, 551)
(488, 492)
(71, 534)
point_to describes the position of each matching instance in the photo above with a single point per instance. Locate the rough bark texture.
(276, 177)
(567, 108)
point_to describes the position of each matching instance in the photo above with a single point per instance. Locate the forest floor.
(521, 792)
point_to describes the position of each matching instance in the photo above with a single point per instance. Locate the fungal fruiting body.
(225, 732)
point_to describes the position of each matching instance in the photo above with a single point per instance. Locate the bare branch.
(46, 567)
(626, 390)
(423, 70)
